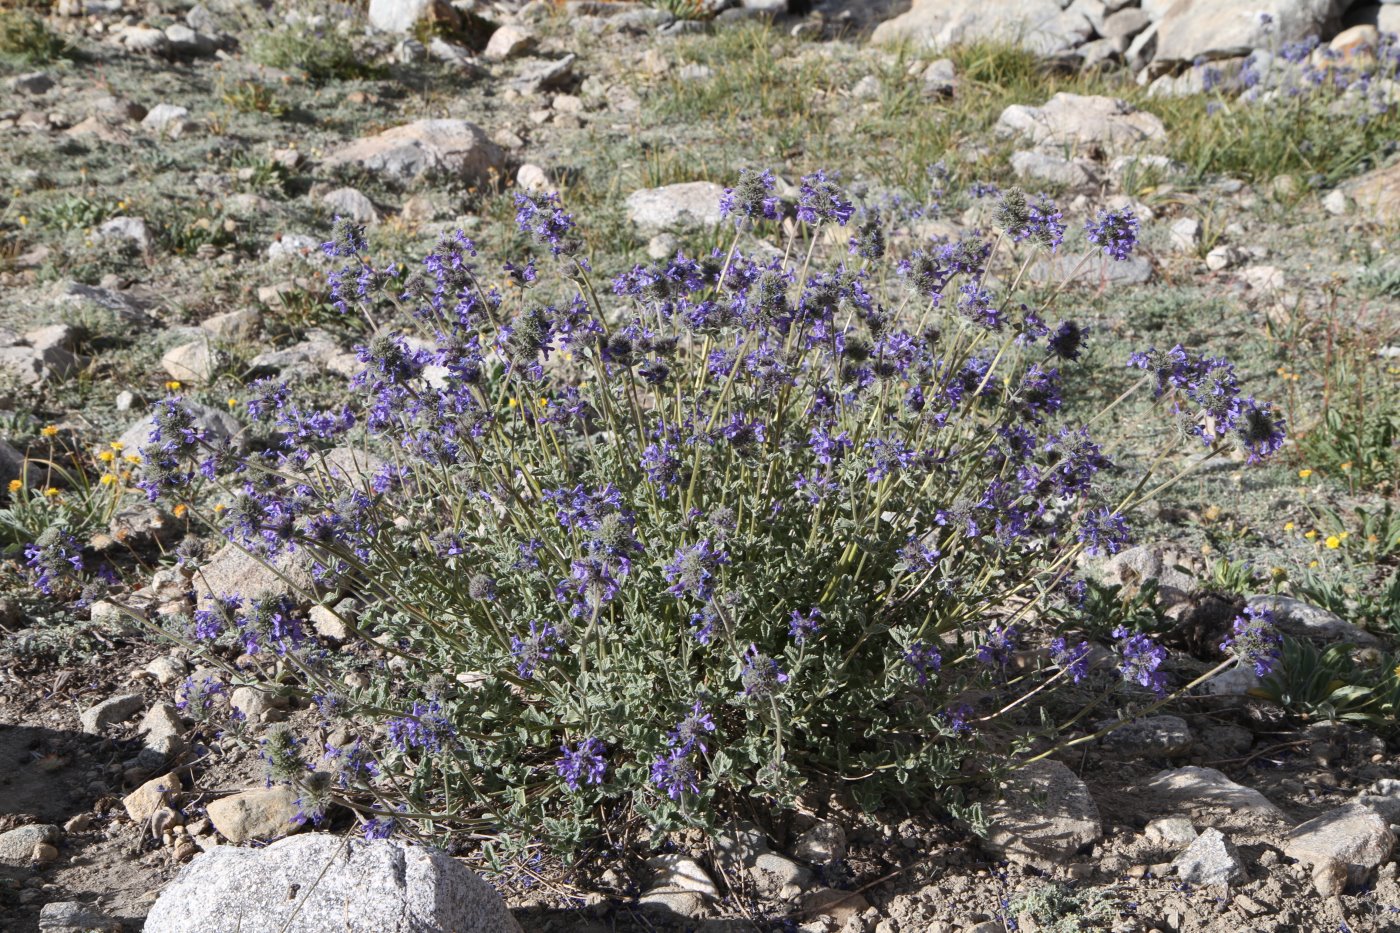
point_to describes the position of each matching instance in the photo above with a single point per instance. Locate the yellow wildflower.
(107, 456)
(132, 458)
(1304, 474)
(233, 403)
(51, 491)
(1333, 542)
(117, 445)
(173, 385)
(16, 485)
(1310, 534)
(1288, 526)
(181, 509)
(107, 479)
(49, 430)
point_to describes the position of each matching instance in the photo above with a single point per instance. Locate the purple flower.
(1115, 231)
(535, 648)
(1261, 430)
(821, 199)
(583, 764)
(1103, 531)
(702, 625)
(1067, 340)
(751, 198)
(801, 627)
(690, 732)
(1255, 640)
(1140, 659)
(52, 557)
(1170, 368)
(379, 827)
(693, 569)
(423, 727)
(924, 659)
(544, 219)
(675, 773)
(1073, 660)
(760, 674)
(998, 645)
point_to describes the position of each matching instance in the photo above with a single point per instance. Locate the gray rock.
(778, 876)
(73, 917)
(218, 426)
(1384, 798)
(1074, 121)
(1225, 257)
(331, 624)
(822, 844)
(163, 730)
(1038, 25)
(677, 873)
(404, 15)
(1376, 194)
(869, 87)
(452, 54)
(188, 43)
(17, 845)
(941, 78)
(540, 75)
(350, 886)
(1171, 832)
(1354, 835)
(110, 711)
(193, 362)
(1203, 788)
(1101, 53)
(121, 305)
(450, 149)
(1045, 816)
(238, 325)
(1195, 29)
(509, 42)
(253, 703)
(260, 813)
(295, 246)
(1185, 234)
(43, 354)
(1125, 24)
(35, 82)
(233, 571)
(351, 203)
(1297, 618)
(1211, 859)
(1037, 166)
(162, 116)
(675, 207)
(1155, 737)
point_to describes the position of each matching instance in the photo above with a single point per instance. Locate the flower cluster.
(1254, 640)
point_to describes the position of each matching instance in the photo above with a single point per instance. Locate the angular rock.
(145, 800)
(260, 813)
(1155, 737)
(1201, 788)
(822, 844)
(404, 15)
(378, 886)
(1207, 29)
(675, 207)
(1047, 167)
(121, 305)
(1185, 234)
(509, 42)
(1037, 25)
(1125, 24)
(351, 203)
(678, 873)
(233, 571)
(193, 362)
(451, 149)
(34, 82)
(1045, 816)
(1354, 835)
(1098, 271)
(1171, 832)
(162, 116)
(1211, 859)
(166, 670)
(163, 730)
(1072, 121)
(1297, 618)
(17, 845)
(778, 876)
(110, 711)
(73, 917)
(236, 326)
(218, 426)
(540, 75)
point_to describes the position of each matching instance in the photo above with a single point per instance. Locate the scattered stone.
(110, 711)
(941, 78)
(1171, 832)
(73, 917)
(34, 82)
(779, 876)
(351, 886)
(1098, 271)
(509, 42)
(404, 15)
(868, 88)
(1225, 257)
(1037, 25)
(1356, 836)
(843, 907)
(145, 800)
(532, 178)
(163, 730)
(294, 246)
(185, 42)
(44, 853)
(351, 203)
(451, 149)
(1045, 816)
(1034, 165)
(1384, 798)
(1192, 30)
(163, 118)
(254, 703)
(237, 326)
(195, 362)
(1376, 194)
(1336, 203)
(17, 845)
(822, 844)
(1155, 737)
(1301, 620)
(675, 207)
(260, 813)
(1197, 788)
(676, 873)
(332, 623)
(1186, 234)
(1072, 121)
(1329, 877)
(146, 39)
(42, 354)
(1211, 859)
(232, 570)
(540, 75)
(218, 427)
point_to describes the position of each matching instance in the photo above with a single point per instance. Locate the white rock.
(1211, 859)
(1336, 202)
(1354, 835)
(404, 15)
(162, 116)
(1039, 25)
(532, 178)
(1045, 816)
(260, 813)
(1070, 121)
(1204, 788)
(1297, 618)
(675, 207)
(1171, 832)
(1186, 234)
(1192, 29)
(509, 42)
(351, 203)
(193, 362)
(293, 246)
(1224, 257)
(350, 886)
(451, 149)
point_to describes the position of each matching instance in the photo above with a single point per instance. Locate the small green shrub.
(324, 53)
(25, 37)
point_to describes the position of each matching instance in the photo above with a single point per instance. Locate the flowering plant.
(736, 525)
